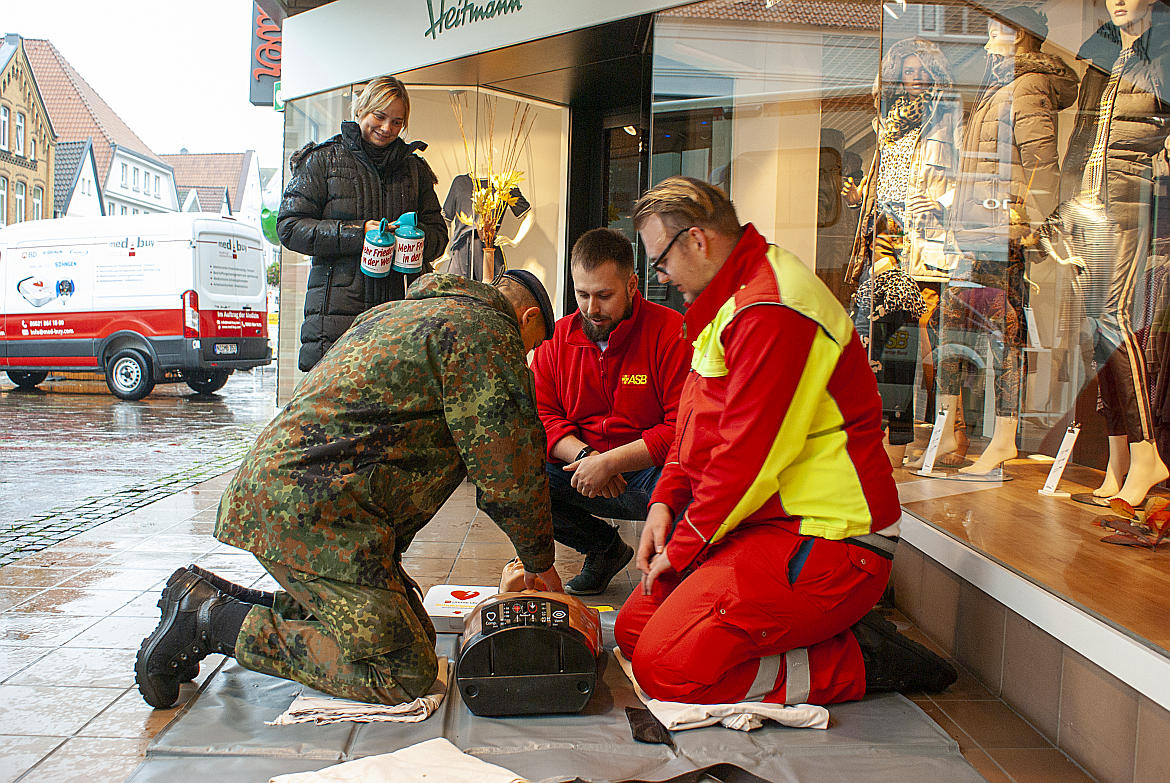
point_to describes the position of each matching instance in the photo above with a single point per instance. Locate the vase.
(489, 265)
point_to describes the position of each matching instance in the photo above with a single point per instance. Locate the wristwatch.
(583, 453)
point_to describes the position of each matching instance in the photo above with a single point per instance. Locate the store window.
(18, 193)
(536, 221)
(1008, 276)
(37, 202)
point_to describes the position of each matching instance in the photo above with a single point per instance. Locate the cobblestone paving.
(24, 537)
(70, 461)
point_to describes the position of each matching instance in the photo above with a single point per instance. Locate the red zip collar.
(725, 283)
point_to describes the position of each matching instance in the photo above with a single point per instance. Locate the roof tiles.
(826, 13)
(75, 108)
(212, 170)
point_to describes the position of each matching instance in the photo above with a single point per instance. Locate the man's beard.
(601, 333)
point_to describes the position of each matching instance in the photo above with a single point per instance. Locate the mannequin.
(466, 249)
(1012, 127)
(1121, 132)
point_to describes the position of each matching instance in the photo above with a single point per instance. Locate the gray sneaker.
(600, 568)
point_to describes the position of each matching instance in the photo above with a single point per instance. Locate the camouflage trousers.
(348, 640)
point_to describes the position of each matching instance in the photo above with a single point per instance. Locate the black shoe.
(182, 639)
(239, 592)
(896, 663)
(600, 568)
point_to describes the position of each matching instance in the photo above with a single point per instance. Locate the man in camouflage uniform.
(415, 397)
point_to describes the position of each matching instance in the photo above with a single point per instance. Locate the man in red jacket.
(769, 536)
(607, 387)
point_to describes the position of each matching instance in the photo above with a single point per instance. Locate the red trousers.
(735, 629)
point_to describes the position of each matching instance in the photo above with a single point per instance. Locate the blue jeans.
(574, 523)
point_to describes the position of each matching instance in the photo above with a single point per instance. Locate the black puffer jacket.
(1141, 118)
(335, 188)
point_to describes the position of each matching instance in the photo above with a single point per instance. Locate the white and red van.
(144, 299)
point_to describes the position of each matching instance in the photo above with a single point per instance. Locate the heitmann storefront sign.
(350, 41)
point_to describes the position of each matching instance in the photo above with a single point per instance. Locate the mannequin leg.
(1118, 467)
(1001, 448)
(1145, 470)
(956, 457)
(948, 443)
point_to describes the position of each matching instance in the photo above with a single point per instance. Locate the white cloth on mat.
(743, 716)
(312, 706)
(433, 761)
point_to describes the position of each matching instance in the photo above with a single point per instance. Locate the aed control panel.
(513, 612)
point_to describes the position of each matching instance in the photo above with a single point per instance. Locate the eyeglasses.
(656, 263)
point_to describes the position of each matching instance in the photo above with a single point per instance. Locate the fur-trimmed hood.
(1005, 70)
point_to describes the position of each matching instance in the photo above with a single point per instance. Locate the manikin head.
(1016, 30)
(604, 281)
(1130, 16)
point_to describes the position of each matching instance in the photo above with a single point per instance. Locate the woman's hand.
(372, 225)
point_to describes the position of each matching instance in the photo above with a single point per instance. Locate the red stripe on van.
(233, 323)
(51, 361)
(72, 326)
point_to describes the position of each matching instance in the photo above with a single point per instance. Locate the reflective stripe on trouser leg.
(797, 677)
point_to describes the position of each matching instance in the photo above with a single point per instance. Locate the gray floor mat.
(222, 735)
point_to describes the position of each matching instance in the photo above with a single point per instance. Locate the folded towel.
(312, 706)
(426, 762)
(744, 716)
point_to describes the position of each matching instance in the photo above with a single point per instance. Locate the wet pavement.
(69, 461)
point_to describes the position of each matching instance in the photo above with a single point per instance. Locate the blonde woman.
(342, 188)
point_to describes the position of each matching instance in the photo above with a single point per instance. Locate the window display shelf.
(1044, 559)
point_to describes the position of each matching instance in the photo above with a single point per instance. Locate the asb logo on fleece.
(635, 380)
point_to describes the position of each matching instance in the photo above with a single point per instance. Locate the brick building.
(27, 139)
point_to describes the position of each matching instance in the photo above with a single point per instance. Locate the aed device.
(529, 653)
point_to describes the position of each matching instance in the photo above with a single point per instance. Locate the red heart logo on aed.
(464, 595)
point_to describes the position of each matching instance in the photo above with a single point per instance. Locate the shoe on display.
(600, 568)
(894, 662)
(184, 637)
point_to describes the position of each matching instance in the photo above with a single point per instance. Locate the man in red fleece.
(607, 387)
(769, 536)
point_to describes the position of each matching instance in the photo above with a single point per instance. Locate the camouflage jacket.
(416, 396)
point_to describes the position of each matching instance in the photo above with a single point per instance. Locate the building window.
(18, 202)
(3, 201)
(19, 134)
(123, 210)
(125, 176)
(110, 208)
(134, 211)
(3, 127)
(157, 192)
(32, 149)
(38, 201)
(136, 178)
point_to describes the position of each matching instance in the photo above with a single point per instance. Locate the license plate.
(223, 348)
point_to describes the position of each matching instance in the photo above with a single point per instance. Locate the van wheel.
(27, 380)
(206, 381)
(128, 375)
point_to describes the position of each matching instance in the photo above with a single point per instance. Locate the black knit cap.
(534, 286)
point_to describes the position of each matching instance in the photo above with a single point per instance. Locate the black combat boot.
(197, 620)
(600, 568)
(896, 663)
(239, 592)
